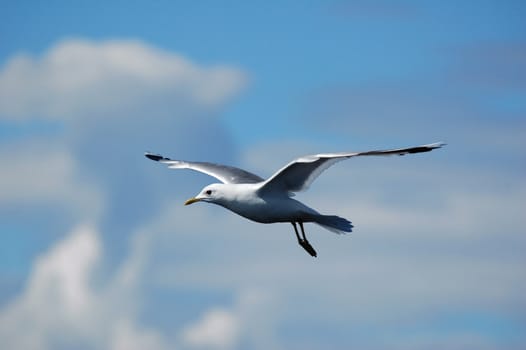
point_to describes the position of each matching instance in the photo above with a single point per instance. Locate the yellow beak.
(191, 200)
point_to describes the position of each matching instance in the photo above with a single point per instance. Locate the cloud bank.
(438, 243)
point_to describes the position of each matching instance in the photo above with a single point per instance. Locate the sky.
(99, 252)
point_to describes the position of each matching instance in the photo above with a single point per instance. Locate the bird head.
(211, 193)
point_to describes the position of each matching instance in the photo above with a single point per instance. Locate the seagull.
(270, 201)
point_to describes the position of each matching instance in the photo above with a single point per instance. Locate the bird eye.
(208, 192)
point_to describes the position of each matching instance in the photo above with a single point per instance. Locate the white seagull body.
(269, 201)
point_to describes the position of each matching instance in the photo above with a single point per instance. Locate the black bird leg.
(303, 241)
(296, 231)
(306, 243)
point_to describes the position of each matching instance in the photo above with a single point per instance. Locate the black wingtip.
(156, 157)
(421, 149)
(425, 148)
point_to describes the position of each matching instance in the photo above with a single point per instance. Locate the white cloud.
(62, 306)
(58, 296)
(62, 277)
(250, 321)
(111, 79)
(218, 329)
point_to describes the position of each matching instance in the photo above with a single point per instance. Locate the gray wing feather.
(300, 173)
(224, 173)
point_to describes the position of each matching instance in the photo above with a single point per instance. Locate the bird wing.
(300, 173)
(224, 173)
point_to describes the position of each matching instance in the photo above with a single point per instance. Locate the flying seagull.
(269, 201)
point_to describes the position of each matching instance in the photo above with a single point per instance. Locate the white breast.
(244, 200)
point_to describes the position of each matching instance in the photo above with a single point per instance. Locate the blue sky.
(99, 252)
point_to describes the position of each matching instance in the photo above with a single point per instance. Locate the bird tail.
(334, 223)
